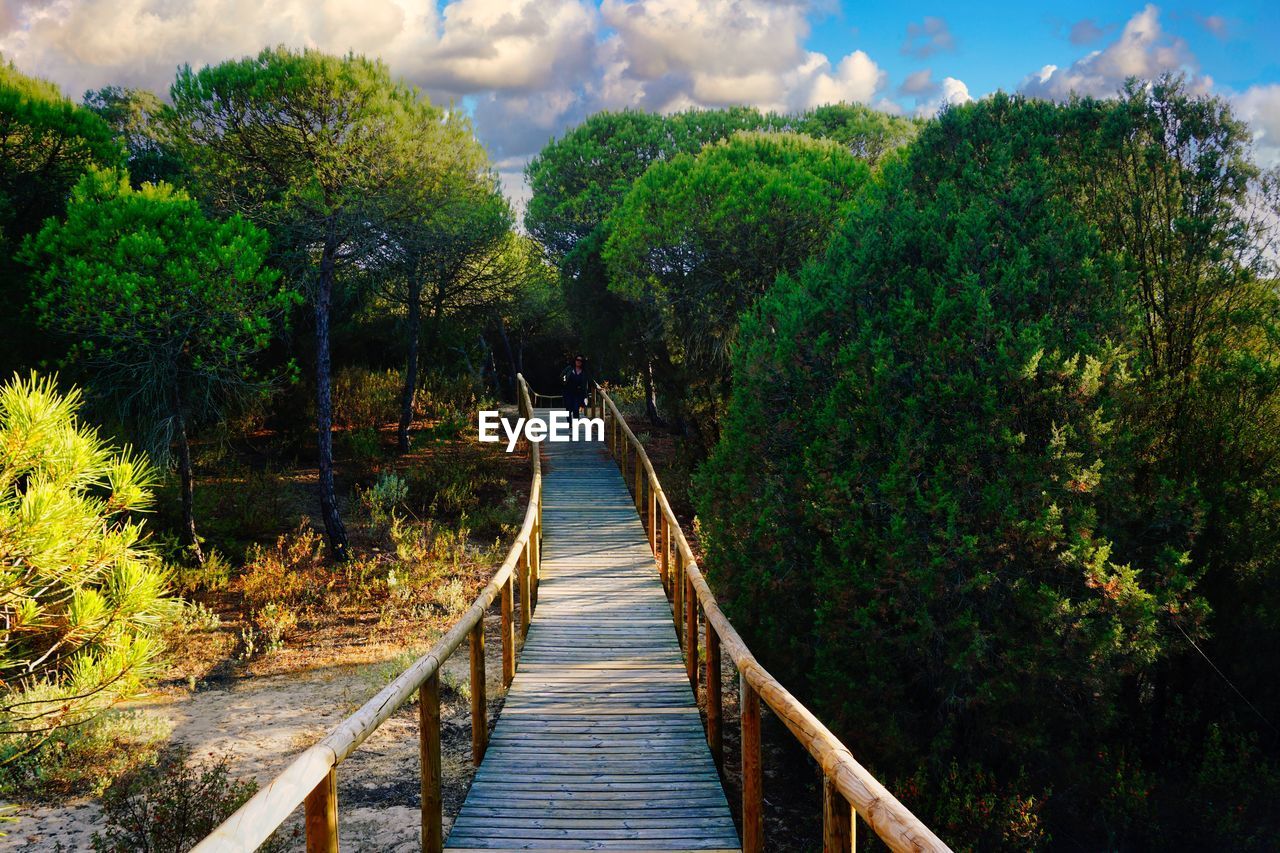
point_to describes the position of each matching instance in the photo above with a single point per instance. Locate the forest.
(976, 420)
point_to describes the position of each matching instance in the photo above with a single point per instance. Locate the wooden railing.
(848, 789)
(311, 779)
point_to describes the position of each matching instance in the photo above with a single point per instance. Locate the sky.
(526, 70)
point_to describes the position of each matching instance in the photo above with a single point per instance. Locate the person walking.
(577, 386)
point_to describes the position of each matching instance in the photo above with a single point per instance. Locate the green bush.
(292, 572)
(169, 806)
(83, 596)
(365, 399)
(362, 445)
(382, 498)
(978, 508)
(79, 759)
(461, 480)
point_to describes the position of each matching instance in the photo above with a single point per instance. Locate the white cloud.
(1143, 49)
(856, 79)
(953, 92)
(1260, 106)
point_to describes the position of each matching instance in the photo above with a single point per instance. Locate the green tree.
(454, 260)
(140, 121)
(868, 133)
(46, 144)
(168, 307)
(82, 595)
(701, 237)
(324, 152)
(926, 524)
(576, 183)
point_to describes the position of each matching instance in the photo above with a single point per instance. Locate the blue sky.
(529, 69)
(996, 45)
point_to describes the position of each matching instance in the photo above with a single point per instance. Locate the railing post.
(653, 519)
(715, 707)
(320, 810)
(526, 595)
(666, 550)
(837, 820)
(508, 632)
(429, 756)
(535, 554)
(691, 634)
(479, 703)
(752, 775)
(639, 488)
(677, 597)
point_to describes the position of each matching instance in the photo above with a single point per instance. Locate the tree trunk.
(411, 363)
(490, 364)
(333, 526)
(650, 396)
(187, 477)
(511, 358)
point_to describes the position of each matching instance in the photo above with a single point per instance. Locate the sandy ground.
(262, 722)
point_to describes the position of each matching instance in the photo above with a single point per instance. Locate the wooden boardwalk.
(599, 745)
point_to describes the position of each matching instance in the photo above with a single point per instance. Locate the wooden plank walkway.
(599, 745)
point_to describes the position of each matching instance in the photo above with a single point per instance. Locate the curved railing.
(311, 779)
(848, 788)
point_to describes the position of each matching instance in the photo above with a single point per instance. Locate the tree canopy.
(326, 152)
(701, 237)
(167, 307)
(980, 514)
(46, 144)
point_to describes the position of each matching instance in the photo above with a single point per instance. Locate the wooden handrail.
(846, 783)
(311, 777)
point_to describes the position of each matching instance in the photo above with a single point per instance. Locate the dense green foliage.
(46, 144)
(167, 308)
(988, 535)
(698, 239)
(328, 153)
(579, 180)
(82, 595)
(181, 263)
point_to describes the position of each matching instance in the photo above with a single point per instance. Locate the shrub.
(170, 806)
(194, 616)
(276, 622)
(925, 448)
(365, 399)
(211, 576)
(968, 803)
(292, 572)
(363, 445)
(448, 484)
(82, 596)
(80, 759)
(381, 499)
(445, 394)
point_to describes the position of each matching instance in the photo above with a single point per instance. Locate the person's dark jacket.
(576, 385)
